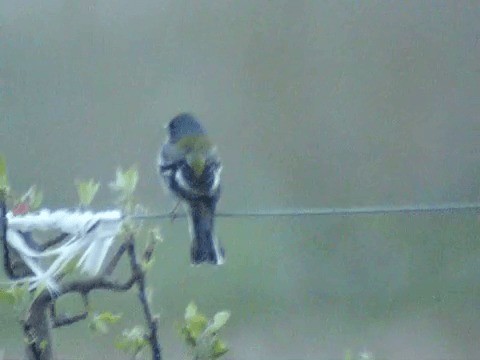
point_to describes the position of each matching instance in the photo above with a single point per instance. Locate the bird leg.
(173, 213)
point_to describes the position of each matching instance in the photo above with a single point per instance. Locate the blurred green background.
(311, 104)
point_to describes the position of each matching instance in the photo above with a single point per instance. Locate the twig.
(152, 323)
(84, 287)
(53, 242)
(115, 259)
(15, 269)
(58, 321)
(37, 326)
(27, 236)
(7, 264)
(38, 322)
(98, 283)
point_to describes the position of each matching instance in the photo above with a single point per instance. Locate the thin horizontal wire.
(368, 210)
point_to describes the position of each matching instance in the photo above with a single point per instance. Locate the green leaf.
(39, 290)
(149, 294)
(37, 198)
(98, 326)
(195, 322)
(3, 173)
(132, 341)
(190, 311)
(124, 185)
(43, 345)
(196, 325)
(20, 292)
(4, 189)
(348, 355)
(201, 334)
(29, 340)
(7, 296)
(32, 197)
(71, 266)
(219, 349)
(124, 345)
(100, 322)
(125, 181)
(156, 235)
(219, 320)
(131, 179)
(86, 191)
(147, 264)
(17, 295)
(108, 317)
(188, 336)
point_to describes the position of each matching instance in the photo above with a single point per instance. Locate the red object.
(21, 208)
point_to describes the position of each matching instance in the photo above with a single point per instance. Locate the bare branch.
(151, 321)
(55, 241)
(14, 268)
(38, 323)
(63, 320)
(109, 269)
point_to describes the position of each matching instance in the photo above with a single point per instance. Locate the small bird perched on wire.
(190, 167)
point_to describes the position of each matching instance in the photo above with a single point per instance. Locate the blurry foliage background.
(311, 103)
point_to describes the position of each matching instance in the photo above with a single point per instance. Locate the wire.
(368, 210)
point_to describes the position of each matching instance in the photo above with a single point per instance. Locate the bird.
(190, 167)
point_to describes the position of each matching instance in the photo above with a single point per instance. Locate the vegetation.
(36, 308)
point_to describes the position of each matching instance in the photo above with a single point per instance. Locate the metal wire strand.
(367, 210)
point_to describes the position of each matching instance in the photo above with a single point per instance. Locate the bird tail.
(205, 247)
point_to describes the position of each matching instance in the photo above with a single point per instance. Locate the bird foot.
(173, 213)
